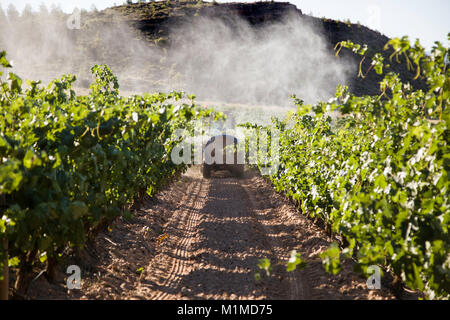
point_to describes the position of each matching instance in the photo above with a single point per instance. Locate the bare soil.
(202, 239)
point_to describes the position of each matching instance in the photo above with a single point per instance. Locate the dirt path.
(215, 241)
(217, 231)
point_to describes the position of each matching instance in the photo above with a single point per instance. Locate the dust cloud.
(226, 61)
(258, 66)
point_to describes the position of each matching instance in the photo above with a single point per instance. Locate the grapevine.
(377, 171)
(71, 164)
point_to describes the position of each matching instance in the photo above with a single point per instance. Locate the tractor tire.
(238, 170)
(206, 171)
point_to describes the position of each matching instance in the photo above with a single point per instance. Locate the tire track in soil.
(297, 287)
(163, 275)
(229, 246)
(215, 242)
(220, 230)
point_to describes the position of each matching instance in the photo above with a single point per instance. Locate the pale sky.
(427, 20)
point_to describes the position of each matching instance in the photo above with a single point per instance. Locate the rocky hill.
(155, 20)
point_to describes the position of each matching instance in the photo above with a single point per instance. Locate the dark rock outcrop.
(160, 23)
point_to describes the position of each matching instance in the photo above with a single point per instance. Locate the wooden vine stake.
(4, 284)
